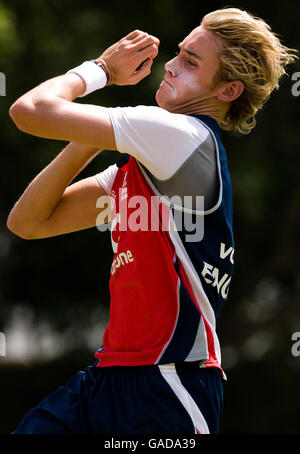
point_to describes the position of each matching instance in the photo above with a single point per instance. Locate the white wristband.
(93, 76)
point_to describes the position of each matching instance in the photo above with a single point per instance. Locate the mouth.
(164, 82)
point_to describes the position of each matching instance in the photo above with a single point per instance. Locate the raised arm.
(49, 111)
(51, 205)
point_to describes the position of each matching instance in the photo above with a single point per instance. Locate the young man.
(159, 369)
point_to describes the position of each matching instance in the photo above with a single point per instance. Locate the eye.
(188, 61)
(191, 63)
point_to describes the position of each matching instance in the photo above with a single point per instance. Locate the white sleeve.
(160, 140)
(107, 177)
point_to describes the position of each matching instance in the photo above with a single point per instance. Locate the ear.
(231, 91)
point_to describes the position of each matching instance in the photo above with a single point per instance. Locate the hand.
(129, 60)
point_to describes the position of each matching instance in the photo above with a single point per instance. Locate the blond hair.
(251, 53)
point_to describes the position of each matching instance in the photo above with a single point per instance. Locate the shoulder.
(154, 116)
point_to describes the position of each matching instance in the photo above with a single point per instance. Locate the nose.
(170, 67)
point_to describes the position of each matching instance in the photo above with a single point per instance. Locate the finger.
(138, 38)
(143, 71)
(134, 34)
(148, 52)
(148, 40)
(156, 41)
(145, 55)
(142, 37)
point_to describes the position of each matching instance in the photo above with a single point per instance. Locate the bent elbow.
(34, 116)
(18, 228)
(14, 111)
(19, 113)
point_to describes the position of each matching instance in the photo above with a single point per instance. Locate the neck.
(209, 106)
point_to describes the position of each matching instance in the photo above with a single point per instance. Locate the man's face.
(189, 78)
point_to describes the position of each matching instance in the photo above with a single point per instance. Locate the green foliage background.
(60, 285)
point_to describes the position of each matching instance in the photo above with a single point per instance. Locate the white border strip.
(169, 373)
(195, 282)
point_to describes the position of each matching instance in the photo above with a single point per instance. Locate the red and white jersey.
(166, 289)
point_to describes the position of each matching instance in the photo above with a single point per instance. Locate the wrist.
(94, 75)
(109, 71)
(105, 67)
(72, 86)
(85, 151)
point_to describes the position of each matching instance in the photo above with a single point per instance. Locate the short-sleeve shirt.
(176, 151)
(167, 286)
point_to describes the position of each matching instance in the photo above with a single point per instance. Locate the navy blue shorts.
(179, 398)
